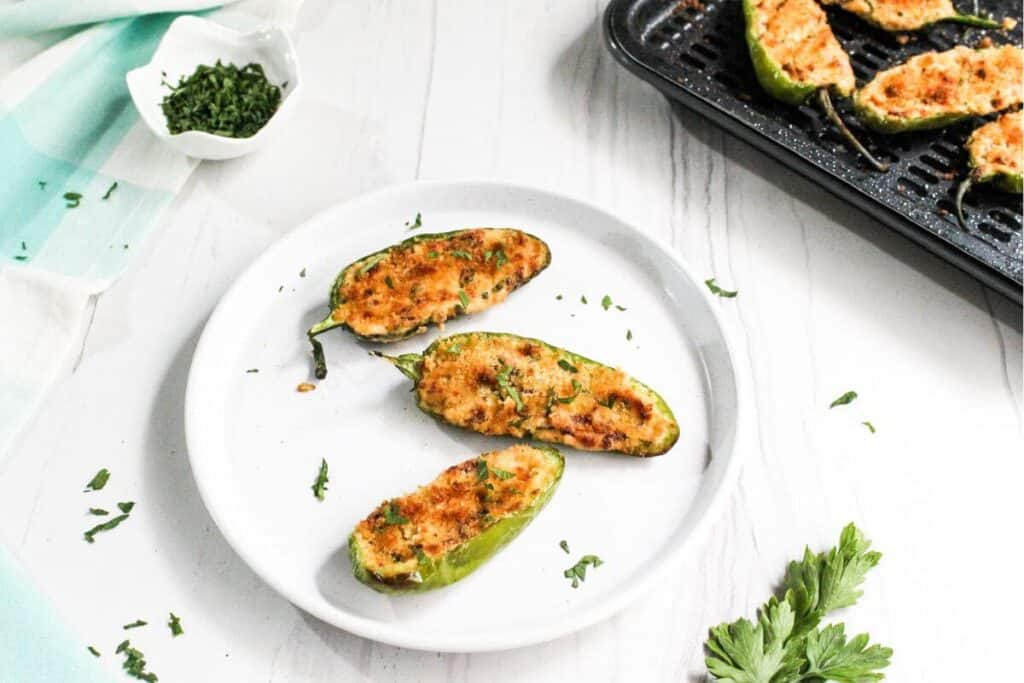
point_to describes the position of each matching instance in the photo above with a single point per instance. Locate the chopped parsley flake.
(629, 335)
(135, 663)
(459, 253)
(621, 308)
(500, 258)
(482, 471)
(106, 526)
(416, 223)
(135, 624)
(110, 191)
(578, 572)
(320, 485)
(871, 427)
(98, 481)
(42, 184)
(432, 255)
(583, 299)
(576, 386)
(566, 365)
(606, 302)
(252, 370)
(558, 297)
(94, 651)
(302, 273)
(73, 199)
(505, 384)
(126, 506)
(372, 262)
(715, 289)
(175, 625)
(845, 399)
(98, 511)
(463, 300)
(389, 282)
(564, 545)
(393, 516)
(502, 474)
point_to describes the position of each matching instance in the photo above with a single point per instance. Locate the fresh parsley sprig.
(786, 645)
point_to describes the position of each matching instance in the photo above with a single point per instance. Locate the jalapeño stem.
(975, 20)
(961, 192)
(409, 364)
(826, 104)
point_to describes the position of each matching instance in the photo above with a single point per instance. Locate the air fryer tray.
(695, 53)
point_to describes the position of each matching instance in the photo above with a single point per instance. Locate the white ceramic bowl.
(191, 41)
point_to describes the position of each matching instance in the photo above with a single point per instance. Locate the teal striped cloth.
(67, 125)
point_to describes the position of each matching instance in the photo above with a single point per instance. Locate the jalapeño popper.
(796, 57)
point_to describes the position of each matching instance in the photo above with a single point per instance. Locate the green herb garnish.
(135, 624)
(463, 300)
(94, 651)
(578, 572)
(432, 255)
(135, 663)
(98, 512)
(558, 297)
(583, 299)
(98, 481)
(566, 365)
(715, 289)
(19, 257)
(845, 399)
(786, 645)
(389, 282)
(73, 199)
(504, 475)
(126, 506)
(110, 190)
(24, 247)
(564, 545)
(606, 302)
(42, 184)
(576, 387)
(393, 516)
(106, 526)
(505, 384)
(459, 253)
(417, 223)
(222, 99)
(621, 308)
(302, 273)
(252, 370)
(871, 427)
(175, 625)
(320, 485)
(482, 471)
(629, 335)
(500, 258)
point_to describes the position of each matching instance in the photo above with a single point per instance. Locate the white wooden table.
(524, 91)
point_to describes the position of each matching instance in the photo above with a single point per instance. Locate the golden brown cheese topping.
(898, 15)
(433, 279)
(958, 81)
(465, 500)
(515, 386)
(796, 35)
(998, 147)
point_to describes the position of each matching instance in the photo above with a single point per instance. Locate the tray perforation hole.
(992, 230)
(937, 164)
(1005, 218)
(907, 185)
(923, 174)
(693, 61)
(705, 51)
(726, 79)
(876, 51)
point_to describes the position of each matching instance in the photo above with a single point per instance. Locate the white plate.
(255, 443)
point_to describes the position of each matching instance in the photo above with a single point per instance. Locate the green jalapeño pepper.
(909, 15)
(428, 279)
(796, 58)
(937, 89)
(454, 524)
(503, 384)
(996, 155)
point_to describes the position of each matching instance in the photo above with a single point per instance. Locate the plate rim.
(524, 636)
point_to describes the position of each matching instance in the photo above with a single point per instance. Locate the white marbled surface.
(524, 91)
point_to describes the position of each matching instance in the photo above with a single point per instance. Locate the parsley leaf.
(175, 625)
(389, 282)
(126, 506)
(320, 485)
(500, 258)
(110, 191)
(715, 289)
(558, 297)
(463, 300)
(831, 658)
(583, 299)
(509, 389)
(135, 663)
(416, 223)
(99, 480)
(629, 335)
(135, 624)
(459, 253)
(744, 653)
(566, 365)
(606, 302)
(504, 475)
(94, 651)
(482, 471)
(844, 400)
(564, 545)
(98, 511)
(578, 572)
(871, 427)
(393, 516)
(106, 526)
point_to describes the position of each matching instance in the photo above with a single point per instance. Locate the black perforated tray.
(695, 53)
